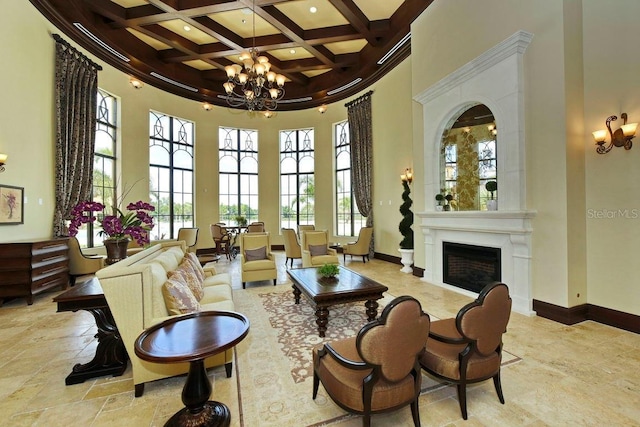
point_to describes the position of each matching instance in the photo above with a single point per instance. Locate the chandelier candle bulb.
(280, 80)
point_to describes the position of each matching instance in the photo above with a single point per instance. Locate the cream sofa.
(133, 289)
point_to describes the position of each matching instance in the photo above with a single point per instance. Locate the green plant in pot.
(241, 220)
(448, 198)
(406, 244)
(328, 271)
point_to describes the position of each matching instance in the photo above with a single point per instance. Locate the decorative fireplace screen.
(470, 267)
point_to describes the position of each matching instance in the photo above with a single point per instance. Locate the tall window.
(297, 188)
(348, 219)
(238, 161)
(104, 165)
(171, 173)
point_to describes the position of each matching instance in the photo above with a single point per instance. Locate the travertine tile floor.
(582, 375)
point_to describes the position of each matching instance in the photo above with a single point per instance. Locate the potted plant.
(241, 221)
(439, 199)
(491, 186)
(448, 198)
(406, 245)
(117, 229)
(328, 271)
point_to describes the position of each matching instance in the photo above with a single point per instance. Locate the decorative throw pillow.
(178, 297)
(317, 250)
(256, 254)
(195, 263)
(190, 278)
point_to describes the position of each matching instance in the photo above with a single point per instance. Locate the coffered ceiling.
(182, 46)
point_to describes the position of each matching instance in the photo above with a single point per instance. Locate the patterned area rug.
(297, 330)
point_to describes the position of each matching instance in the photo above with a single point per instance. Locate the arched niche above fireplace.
(495, 79)
(468, 158)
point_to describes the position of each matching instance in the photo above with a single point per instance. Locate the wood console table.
(111, 357)
(28, 268)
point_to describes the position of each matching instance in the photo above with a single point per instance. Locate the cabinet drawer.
(49, 259)
(47, 270)
(44, 282)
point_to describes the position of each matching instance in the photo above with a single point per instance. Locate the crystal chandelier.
(253, 85)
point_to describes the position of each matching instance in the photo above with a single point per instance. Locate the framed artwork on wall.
(11, 205)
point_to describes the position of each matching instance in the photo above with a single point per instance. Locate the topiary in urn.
(407, 218)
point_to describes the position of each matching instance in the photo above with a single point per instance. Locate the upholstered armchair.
(292, 247)
(256, 260)
(361, 246)
(256, 227)
(376, 371)
(305, 227)
(468, 349)
(222, 239)
(190, 236)
(315, 249)
(81, 264)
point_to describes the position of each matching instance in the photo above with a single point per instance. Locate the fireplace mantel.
(508, 230)
(496, 79)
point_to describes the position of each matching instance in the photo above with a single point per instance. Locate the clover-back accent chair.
(81, 264)
(315, 249)
(361, 246)
(292, 248)
(468, 349)
(256, 260)
(378, 370)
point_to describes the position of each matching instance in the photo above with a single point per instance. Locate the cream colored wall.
(612, 86)
(443, 51)
(29, 84)
(26, 118)
(576, 259)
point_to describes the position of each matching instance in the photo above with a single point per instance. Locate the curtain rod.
(355, 101)
(82, 56)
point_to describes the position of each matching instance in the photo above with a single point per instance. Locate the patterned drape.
(76, 91)
(361, 137)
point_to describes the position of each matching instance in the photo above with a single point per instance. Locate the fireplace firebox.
(470, 267)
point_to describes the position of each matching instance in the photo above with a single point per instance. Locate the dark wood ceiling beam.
(355, 17)
(335, 34)
(290, 29)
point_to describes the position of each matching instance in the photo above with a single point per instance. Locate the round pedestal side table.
(192, 338)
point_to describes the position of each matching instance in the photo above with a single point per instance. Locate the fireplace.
(470, 267)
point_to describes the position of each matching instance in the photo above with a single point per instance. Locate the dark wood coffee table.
(192, 338)
(111, 357)
(348, 286)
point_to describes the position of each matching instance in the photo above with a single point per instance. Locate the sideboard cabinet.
(28, 268)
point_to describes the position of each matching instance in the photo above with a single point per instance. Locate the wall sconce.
(620, 138)
(137, 84)
(207, 107)
(492, 129)
(407, 176)
(322, 109)
(3, 160)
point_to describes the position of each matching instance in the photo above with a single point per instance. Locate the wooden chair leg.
(462, 399)
(496, 382)
(415, 412)
(139, 389)
(316, 383)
